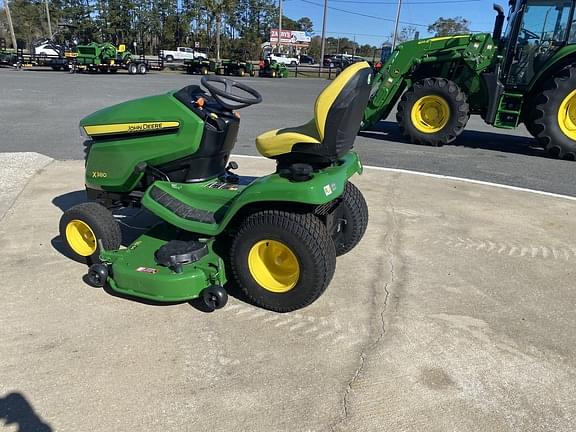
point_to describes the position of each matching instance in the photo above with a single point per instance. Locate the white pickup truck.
(181, 53)
(284, 58)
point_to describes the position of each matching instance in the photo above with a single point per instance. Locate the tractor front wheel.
(434, 111)
(553, 121)
(83, 225)
(282, 261)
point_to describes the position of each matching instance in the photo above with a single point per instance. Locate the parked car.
(306, 59)
(182, 53)
(340, 60)
(284, 58)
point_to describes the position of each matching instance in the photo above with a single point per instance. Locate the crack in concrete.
(366, 350)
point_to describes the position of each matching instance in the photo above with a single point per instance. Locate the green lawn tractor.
(105, 57)
(6, 58)
(276, 237)
(273, 69)
(199, 65)
(238, 65)
(526, 76)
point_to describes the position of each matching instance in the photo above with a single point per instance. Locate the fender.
(562, 58)
(201, 208)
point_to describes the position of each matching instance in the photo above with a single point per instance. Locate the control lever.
(230, 176)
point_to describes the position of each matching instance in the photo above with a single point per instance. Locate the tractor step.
(509, 110)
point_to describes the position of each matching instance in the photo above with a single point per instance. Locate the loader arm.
(458, 57)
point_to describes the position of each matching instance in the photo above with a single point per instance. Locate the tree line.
(223, 25)
(160, 24)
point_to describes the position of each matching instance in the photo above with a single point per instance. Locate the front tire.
(83, 225)
(553, 122)
(354, 215)
(434, 111)
(282, 261)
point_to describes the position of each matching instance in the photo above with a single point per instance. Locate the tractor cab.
(536, 31)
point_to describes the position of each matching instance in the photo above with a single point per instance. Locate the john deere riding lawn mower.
(526, 76)
(273, 69)
(279, 234)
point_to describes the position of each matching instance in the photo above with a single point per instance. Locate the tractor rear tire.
(434, 111)
(83, 225)
(553, 121)
(281, 260)
(355, 215)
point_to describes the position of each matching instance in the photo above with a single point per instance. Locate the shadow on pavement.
(387, 130)
(16, 410)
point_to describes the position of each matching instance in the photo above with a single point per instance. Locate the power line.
(364, 15)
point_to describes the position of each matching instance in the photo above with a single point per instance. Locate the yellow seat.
(337, 115)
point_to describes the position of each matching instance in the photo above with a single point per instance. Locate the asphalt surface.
(40, 111)
(455, 313)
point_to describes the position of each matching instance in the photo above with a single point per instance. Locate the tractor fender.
(565, 56)
(267, 192)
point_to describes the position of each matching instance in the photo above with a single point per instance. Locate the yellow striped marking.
(442, 38)
(128, 128)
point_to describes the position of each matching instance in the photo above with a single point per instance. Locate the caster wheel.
(97, 275)
(215, 297)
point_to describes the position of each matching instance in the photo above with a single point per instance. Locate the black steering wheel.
(224, 94)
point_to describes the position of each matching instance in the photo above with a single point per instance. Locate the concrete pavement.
(455, 313)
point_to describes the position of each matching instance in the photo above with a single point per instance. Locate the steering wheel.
(222, 95)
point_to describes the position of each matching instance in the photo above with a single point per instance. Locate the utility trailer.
(57, 62)
(527, 75)
(106, 58)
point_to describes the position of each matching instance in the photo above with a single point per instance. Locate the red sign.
(290, 37)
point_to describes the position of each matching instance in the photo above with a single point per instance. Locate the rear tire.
(553, 121)
(204, 70)
(434, 111)
(282, 261)
(241, 72)
(132, 69)
(83, 225)
(355, 215)
(142, 69)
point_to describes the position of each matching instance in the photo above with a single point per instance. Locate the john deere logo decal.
(129, 128)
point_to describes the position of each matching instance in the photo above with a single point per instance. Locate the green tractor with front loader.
(527, 75)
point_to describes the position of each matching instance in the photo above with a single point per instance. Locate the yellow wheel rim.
(80, 237)
(430, 114)
(567, 116)
(274, 266)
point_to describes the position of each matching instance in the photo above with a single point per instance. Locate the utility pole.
(280, 27)
(10, 25)
(48, 17)
(323, 33)
(395, 35)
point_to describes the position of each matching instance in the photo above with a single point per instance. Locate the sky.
(378, 25)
